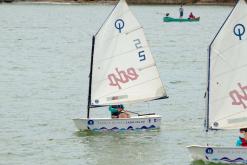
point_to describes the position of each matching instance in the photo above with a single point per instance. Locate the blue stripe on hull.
(123, 129)
(227, 160)
(238, 160)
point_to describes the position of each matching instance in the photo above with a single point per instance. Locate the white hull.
(226, 155)
(136, 122)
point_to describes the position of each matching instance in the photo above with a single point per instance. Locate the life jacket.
(244, 142)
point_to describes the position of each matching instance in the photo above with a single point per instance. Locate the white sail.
(227, 104)
(123, 68)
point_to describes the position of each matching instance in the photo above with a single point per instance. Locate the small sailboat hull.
(109, 124)
(226, 155)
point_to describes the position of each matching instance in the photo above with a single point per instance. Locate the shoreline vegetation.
(138, 2)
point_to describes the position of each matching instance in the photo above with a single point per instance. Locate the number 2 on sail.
(141, 53)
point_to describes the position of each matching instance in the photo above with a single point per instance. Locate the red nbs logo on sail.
(239, 97)
(122, 77)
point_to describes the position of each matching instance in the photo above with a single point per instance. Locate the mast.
(207, 92)
(90, 78)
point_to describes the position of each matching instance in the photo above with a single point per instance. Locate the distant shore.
(139, 2)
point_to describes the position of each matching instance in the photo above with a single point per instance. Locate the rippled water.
(45, 53)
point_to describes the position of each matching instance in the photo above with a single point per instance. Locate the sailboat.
(122, 71)
(227, 87)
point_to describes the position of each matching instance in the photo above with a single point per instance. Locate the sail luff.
(106, 19)
(222, 27)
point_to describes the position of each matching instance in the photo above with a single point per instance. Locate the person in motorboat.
(191, 16)
(167, 14)
(181, 11)
(117, 111)
(242, 141)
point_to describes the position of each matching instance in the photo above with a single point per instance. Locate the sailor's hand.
(121, 110)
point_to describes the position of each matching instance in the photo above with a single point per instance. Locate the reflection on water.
(137, 146)
(118, 132)
(199, 162)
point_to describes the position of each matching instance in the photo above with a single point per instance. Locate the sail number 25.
(139, 47)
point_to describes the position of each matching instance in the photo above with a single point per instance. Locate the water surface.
(44, 66)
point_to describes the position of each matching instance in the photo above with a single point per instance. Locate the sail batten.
(117, 55)
(229, 116)
(230, 71)
(125, 33)
(227, 80)
(116, 92)
(140, 69)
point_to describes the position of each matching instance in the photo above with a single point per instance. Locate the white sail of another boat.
(227, 87)
(123, 69)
